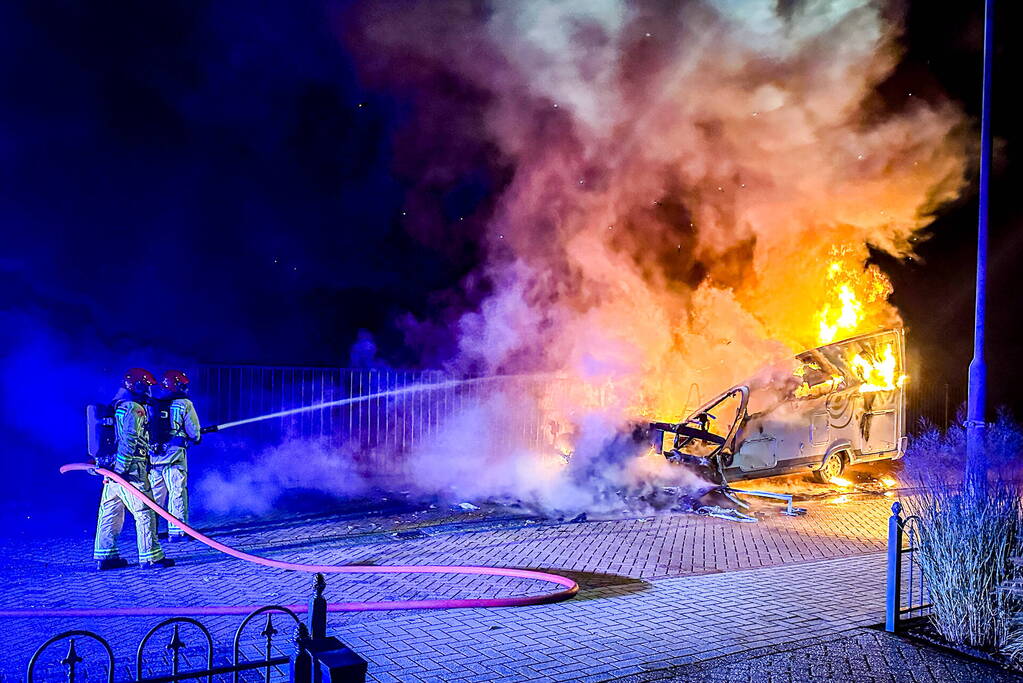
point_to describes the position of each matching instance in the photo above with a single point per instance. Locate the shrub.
(967, 540)
(968, 535)
(938, 457)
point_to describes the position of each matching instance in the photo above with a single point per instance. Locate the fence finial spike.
(896, 508)
(175, 642)
(71, 658)
(268, 628)
(320, 584)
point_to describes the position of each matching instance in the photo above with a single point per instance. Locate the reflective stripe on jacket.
(184, 430)
(130, 422)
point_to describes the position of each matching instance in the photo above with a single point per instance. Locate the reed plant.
(968, 537)
(969, 534)
(1012, 649)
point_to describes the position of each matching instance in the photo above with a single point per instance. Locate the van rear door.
(884, 402)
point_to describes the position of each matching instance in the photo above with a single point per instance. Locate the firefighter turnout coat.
(131, 462)
(169, 472)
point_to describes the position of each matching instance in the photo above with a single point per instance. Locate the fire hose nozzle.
(211, 428)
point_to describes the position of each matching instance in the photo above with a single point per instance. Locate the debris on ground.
(724, 513)
(581, 517)
(468, 506)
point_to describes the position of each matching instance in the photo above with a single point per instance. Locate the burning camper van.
(834, 406)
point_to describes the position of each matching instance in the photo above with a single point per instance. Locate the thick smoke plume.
(691, 190)
(681, 174)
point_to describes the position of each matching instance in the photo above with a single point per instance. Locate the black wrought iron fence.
(908, 595)
(293, 654)
(156, 664)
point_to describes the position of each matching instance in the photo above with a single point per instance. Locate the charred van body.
(835, 406)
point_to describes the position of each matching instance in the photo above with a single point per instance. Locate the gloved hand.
(180, 442)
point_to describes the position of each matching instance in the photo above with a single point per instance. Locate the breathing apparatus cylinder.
(100, 435)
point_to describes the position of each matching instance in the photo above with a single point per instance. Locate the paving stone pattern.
(658, 591)
(863, 655)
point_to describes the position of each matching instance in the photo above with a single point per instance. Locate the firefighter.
(174, 427)
(131, 462)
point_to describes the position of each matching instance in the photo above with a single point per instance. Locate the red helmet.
(175, 380)
(139, 380)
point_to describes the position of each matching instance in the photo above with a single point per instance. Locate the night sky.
(213, 182)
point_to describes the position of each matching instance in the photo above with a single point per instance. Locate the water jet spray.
(435, 386)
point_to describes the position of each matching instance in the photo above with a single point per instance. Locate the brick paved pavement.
(862, 655)
(658, 591)
(625, 629)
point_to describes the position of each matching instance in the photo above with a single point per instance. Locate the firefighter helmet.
(175, 380)
(139, 380)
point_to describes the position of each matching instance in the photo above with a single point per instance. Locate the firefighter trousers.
(170, 491)
(112, 504)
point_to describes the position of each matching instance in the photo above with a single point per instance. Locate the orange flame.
(879, 374)
(806, 390)
(851, 290)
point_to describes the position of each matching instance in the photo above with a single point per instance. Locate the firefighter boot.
(162, 563)
(111, 563)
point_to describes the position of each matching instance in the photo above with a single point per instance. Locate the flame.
(563, 445)
(847, 316)
(877, 375)
(851, 289)
(840, 499)
(888, 482)
(805, 390)
(839, 481)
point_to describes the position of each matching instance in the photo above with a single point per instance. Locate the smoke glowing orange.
(694, 189)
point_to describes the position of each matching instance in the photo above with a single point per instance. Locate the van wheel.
(832, 467)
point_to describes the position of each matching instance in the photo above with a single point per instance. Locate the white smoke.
(255, 484)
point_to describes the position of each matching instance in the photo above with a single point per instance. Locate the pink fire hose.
(570, 586)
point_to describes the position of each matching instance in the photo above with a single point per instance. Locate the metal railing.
(398, 424)
(298, 666)
(937, 404)
(908, 595)
(387, 424)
